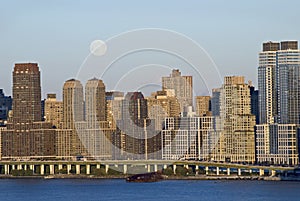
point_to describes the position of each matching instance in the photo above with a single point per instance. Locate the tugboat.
(147, 177)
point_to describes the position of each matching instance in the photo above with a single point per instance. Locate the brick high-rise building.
(26, 136)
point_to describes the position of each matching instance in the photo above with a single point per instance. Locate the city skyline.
(213, 25)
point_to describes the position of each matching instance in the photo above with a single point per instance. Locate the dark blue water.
(183, 190)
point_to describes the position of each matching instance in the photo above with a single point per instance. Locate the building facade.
(162, 104)
(237, 141)
(5, 106)
(68, 141)
(277, 144)
(53, 111)
(26, 135)
(203, 106)
(182, 86)
(194, 138)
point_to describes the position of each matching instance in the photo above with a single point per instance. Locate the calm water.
(81, 189)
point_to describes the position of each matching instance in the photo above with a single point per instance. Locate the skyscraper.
(183, 87)
(26, 136)
(266, 82)
(278, 83)
(237, 142)
(95, 101)
(73, 105)
(94, 132)
(69, 143)
(26, 93)
(287, 84)
(279, 104)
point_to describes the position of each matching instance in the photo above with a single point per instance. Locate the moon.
(98, 48)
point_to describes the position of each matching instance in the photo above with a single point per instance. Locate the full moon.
(98, 48)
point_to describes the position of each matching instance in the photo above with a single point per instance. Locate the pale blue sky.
(57, 33)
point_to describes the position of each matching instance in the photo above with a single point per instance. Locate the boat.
(146, 177)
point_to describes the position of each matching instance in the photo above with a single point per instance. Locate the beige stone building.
(53, 111)
(182, 86)
(203, 106)
(237, 140)
(162, 104)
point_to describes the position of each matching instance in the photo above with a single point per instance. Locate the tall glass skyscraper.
(266, 82)
(278, 83)
(287, 82)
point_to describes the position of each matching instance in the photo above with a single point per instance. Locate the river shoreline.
(198, 177)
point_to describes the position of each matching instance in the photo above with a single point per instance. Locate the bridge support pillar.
(261, 172)
(125, 169)
(31, 167)
(51, 169)
(6, 169)
(106, 168)
(218, 170)
(206, 170)
(42, 169)
(196, 169)
(228, 171)
(148, 168)
(69, 168)
(174, 169)
(155, 168)
(239, 172)
(273, 173)
(19, 167)
(77, 169)
(88, 169)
